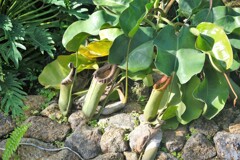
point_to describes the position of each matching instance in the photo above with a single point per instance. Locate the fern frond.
(12, 95)
(41, 39)
(14, 140)
(13, 32)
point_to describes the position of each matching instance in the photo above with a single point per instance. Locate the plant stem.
(126, 85)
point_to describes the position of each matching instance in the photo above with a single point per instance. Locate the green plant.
(152, 35)
(27, 30)
(14, 140)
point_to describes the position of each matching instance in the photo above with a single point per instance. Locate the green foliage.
(195, 45)
(12, 95)
(14, 140)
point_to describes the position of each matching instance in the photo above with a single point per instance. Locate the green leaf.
(119, 49)
(229, 23)
(5, 23)
(212, 90)
(186, 7)
(214, 14)
(140, 58)
(190, 108)
(77, 32)
(169, 113)
(110, 33)
(169, 44)
(117, 6)
(132, 17)
(190, 62)
(221, 54)
(41, 39)
(56, 71)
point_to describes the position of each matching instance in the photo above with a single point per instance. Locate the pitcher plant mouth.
(162, 83)
(152, 106)
(101, 78)
(106, 73)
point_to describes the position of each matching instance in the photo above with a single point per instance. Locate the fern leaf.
(14, 31)
(14, 140)
(12, 95)
(5, 23)
(41, 39)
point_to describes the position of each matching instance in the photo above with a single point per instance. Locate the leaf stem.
(231, 87)
(126, 85)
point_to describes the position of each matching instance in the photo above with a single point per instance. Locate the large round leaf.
(190, 63)
(132, 17)
(77, 32)
(56, 71)
(191, 108)
(212, 90)
(221, 54)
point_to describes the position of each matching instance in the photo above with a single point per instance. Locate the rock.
(45, 129)
(175, 139)
(206, 127)
(225, 117)
(85, 141)
(33, 153)
(6, 125)
(227, 145)
(35, 103)
(132, 107)
(112, 108)
(2, 146)
(77, 118)
(165, 156)
(113, 141)
(52, 111)
(152, 146)
(121, 120)
(63, 155)
(234, 128)
(130, 155)
(110, 156)
(140, 136)
(198, 147)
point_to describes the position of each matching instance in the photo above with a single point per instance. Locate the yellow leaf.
(96, 49)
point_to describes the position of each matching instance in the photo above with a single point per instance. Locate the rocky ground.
(122, 135)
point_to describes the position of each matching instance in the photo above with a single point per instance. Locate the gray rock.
(152, 146)
(34, 104)
(113, 141)
(121, 120)
(110, 156)
(2, 146)
(45, 129)
(175, 139)
(112, 108)
(206, 127)
(85, 141)
(234, 128)
(130, 155)
(225, 117)
(33, 153)
(6, 125)
(140, 136)
(132, 107)
(77, 118)
(227, 145)
(52, 111)
(63, 155)
(165, 156)
(198, 147)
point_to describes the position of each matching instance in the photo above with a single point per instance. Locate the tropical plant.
(27, 30)
(196, 43)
